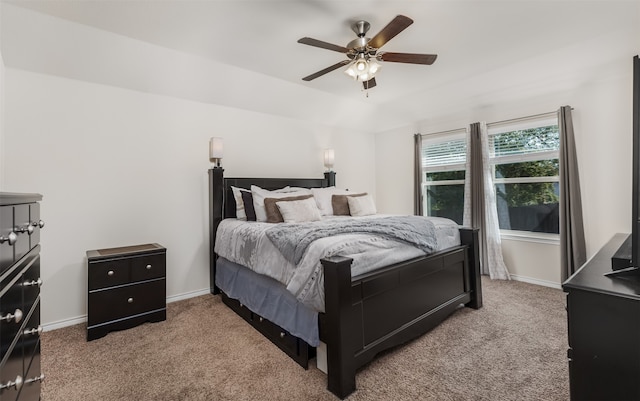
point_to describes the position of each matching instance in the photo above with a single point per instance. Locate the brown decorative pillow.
(340, 204)
(273, 213)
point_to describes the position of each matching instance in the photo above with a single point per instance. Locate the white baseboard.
(187, 295)
(64, 323)
(83, 318)
(536, 281)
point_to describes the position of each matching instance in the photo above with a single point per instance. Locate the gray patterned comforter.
(292, 240)
(298, 266)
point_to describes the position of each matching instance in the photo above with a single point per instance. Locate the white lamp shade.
(329, 157)
(216, 148)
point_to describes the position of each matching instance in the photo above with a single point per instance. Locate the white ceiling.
(471, 38)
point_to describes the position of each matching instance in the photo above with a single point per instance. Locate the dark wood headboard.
(223, 205)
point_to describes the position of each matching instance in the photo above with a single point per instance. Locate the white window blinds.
(439, 152)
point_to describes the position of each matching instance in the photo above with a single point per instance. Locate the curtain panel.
(417, 176)
(480, 202)
(573, 252)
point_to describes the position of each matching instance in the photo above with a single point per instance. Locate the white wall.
(118, 167)
(602, 121)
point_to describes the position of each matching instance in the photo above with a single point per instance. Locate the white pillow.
(299, 211)
(237, 195)
(260, 194)
(361, 205)
(323, 198)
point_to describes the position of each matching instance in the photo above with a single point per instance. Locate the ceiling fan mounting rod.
(360, 28)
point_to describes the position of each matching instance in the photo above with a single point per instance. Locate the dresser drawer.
(31, 283)
(126, 301)
(33, 376)
(109, 273)
(148, 267)
(31, 333)
(6, 230)
(21, 227)
(13, 368)
(11, 309)
(36, 224)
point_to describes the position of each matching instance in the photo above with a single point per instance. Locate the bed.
(365, 314)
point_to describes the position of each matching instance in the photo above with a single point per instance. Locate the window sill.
(528, 236)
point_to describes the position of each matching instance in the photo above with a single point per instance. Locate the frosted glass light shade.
(216, 150)
(329, 157)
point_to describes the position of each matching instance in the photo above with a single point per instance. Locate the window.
(443, 171)
(524, 157)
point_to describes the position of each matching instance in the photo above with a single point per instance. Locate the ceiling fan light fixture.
(351, 71)
(374, 66)
(363, 68)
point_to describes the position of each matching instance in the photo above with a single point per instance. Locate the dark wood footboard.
(367, 314)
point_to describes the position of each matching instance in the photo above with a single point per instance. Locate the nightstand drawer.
(126, 301)
(148, 267)
(109, 273)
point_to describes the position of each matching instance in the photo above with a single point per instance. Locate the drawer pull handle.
(31, 283)
(34, 331)
(130, 300)
(148, 267)
(261, 319)
(27, 229)
(39, 378)
(110, 273)
(12, 238)
(17, 384)
(38, 223)
(282, 334)
(16, 316)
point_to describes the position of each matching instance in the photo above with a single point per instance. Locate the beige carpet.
(512, 349)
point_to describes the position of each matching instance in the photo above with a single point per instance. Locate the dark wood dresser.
(604, 330)
(20, 329)
(127, 287)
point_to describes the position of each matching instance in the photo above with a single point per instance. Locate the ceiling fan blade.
(369, 84)
(322, 45)
(397, 25)
(326, 70)
(410, 58)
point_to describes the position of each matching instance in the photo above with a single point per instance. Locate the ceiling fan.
(363, 55)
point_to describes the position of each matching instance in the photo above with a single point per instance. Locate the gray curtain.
(573, 252)
(480, 202)
(417, 176)
(476, 187)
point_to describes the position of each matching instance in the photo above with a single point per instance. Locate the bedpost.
(216, 210)
(330, 178)
(470, 237)
(340, 328)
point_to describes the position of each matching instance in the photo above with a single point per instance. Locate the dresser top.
(590, 277)
(124, 251)
(13, 198)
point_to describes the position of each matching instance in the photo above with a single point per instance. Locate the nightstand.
(127, 287)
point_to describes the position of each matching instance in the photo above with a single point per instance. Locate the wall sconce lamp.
(216, 148)
(329, 157)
